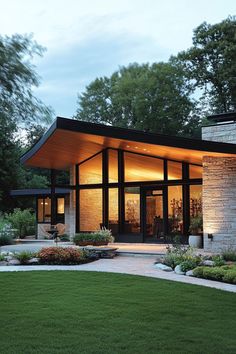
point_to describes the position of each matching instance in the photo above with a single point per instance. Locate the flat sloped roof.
(68, 142)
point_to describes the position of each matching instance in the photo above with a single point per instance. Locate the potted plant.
(196, 238)
(97, 238)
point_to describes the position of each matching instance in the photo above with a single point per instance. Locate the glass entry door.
(153, 216)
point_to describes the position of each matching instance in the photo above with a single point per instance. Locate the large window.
(44, 210)
(113, 214)
(195, 171)
(175, 209)
(132, 210)
(174, 170)
(142, 168)
(196, 206)
(90, 209)
(113, 166)
(90, 171)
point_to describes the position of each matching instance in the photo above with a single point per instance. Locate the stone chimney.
(219, 186)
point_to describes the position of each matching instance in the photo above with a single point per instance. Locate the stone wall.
(70, 218)
(225, 133)
(219, 202)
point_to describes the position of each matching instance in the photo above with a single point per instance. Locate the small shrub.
(225, 274)
(61, 255)
(179, 254)
(23, 221)
(24, 256)
(2, 257)
(229, 255)
(218, 260)
(5, 238)
(103, 235)
(230, 276)
(65, 238)
(190, 263)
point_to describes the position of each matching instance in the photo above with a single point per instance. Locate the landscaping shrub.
(190, 263)
(23, 221)
(181, 255)
(65, 238)
(24, 256)
(229, 255)
(101, 236)
(226, 274)
(61, 255)
(218, 260)
(5, 239)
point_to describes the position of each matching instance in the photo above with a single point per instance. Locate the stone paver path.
(136, 265)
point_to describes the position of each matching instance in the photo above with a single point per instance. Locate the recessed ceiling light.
(136, 147)
(127, 146)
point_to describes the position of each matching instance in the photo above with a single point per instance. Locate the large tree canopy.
(153, 97)
(17, 79)
(18, 108)
(211, 64)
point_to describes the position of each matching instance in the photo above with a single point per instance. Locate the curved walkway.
(136, 265)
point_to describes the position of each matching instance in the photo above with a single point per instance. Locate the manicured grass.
(102, 313)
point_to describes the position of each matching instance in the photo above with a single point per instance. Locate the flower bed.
(98, 238)
(184, 261)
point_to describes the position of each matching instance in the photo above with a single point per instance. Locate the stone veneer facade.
(219, 191)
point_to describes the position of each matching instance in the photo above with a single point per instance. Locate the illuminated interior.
(44, 210)
(142, 168)
(119, 201)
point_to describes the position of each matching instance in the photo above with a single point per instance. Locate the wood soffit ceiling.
(62, 146)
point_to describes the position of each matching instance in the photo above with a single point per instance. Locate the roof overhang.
(35, 192)
(68, 142)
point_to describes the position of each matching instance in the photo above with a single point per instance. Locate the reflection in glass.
(142, 168)
(113, 166)
(90, 172)
(174, 170)
(196, 206)
(113, 210)
(175, 209)
(154, 214)
(132, 210)
(90, 209)
(47, 209)
(195, 171)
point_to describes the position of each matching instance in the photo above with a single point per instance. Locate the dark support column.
(186, 200)
(77, 225)
(121, 190)
(165, 170)
(105, 197)
(165, 211)
(53, 197)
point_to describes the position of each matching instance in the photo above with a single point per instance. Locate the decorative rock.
(3, 263)
(33, 261)
(8, 258)
(178, 270)
(14, 262)
(208, 263)
(189, 273)
(163, 267)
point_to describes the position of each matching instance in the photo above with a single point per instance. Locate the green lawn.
(83, 312)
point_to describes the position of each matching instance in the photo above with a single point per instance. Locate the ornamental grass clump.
(61, 255)
(24, 256)
(181, 255)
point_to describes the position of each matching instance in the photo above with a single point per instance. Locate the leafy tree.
(18, 108)
(211, 64)
(150, 97)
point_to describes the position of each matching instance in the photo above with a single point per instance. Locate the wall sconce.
(210, 236)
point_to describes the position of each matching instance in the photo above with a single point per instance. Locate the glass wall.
(44, 210)
(132, 210)
(142, 168)
(196, 206)
(90, 171)
(175, 209)
(195, 171)
(174, 170)
(90, 209)
(113, 166)
(113, 213)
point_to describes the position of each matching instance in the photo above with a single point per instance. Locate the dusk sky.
(89, 39)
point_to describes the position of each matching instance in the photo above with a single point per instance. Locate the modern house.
(142, 186)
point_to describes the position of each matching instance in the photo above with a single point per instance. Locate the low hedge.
(101, 236)
(226, 274)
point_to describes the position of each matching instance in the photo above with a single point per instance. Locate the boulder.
(163, 267)
(33, 260)
(8, 258)
(208, 262)
(14, 262)
(178, 270)
(3, 263)
(189, 273)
